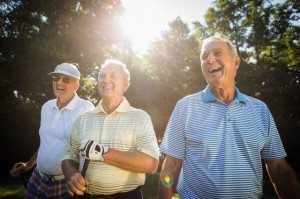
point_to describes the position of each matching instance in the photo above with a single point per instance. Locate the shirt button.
(228, 119)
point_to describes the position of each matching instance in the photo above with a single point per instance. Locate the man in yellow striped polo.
(119, 141)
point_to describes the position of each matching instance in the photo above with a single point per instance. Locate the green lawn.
(16, 190)
(12, 191)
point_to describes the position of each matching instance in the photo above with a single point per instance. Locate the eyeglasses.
(65, 79)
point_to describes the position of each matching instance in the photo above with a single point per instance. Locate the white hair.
(125, 72)
(230, 45)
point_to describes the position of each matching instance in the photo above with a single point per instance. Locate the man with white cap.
(57, 118)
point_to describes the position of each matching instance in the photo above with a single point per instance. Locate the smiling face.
(111, 83)
(64, 87)
(219, 65)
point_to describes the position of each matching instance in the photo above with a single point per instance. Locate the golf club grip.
(83, 172)
(85, 166)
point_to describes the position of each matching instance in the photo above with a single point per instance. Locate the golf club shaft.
(83, 172)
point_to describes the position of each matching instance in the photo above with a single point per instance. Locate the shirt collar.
(123, 107)
(71, 105)
(208, 96)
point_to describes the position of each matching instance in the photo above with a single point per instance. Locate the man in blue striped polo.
(215, 139)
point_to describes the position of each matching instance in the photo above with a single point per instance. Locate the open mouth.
(214, 69)
(107, 88)
(60, 89)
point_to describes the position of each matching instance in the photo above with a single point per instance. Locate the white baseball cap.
(67, 69)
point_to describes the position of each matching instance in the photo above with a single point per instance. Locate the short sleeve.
(173, 142)
(273, 148)
(146, 138)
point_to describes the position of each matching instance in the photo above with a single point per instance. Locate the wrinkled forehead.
(213, 45)
(110, 69)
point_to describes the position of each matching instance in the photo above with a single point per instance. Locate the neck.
(224, 94)
(110, 105)
(62, 102)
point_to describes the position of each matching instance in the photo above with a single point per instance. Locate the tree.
(35, 36)
(174, 66)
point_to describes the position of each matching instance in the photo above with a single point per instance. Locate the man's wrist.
(104, 151)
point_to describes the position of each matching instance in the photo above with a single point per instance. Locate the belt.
(124, 195)
(50, 178)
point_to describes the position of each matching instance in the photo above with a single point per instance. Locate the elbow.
(154, 166)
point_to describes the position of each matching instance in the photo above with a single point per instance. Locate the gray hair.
(230, 45)
(125, 72)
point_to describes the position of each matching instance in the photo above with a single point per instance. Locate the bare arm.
(170, 169)
(21, 167)
(137, 162)
(283, 178)
(76, 183)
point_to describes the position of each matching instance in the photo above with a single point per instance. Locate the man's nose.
(105, 79)
(211, 57)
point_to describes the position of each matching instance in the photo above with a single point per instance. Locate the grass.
(12, 191)
(15, 189)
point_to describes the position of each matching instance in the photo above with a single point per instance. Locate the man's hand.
(17, 169)
(93, 150)
(76, 184)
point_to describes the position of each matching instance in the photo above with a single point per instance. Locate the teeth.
(58, 88)
(214, 69)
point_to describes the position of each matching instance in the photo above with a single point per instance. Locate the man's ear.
(77, 85)
(127, 84)
(237, 62)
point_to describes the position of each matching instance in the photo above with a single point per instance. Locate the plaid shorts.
(38, 187)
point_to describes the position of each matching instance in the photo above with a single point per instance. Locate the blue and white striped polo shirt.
(221, 145)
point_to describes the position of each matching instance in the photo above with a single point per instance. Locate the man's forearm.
(32, 161)
(165, 191)
(283, 178)
(131, 161)
(69, 167)
(287, 186)
(169, 177)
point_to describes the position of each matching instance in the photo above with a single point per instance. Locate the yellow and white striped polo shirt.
(126, 129)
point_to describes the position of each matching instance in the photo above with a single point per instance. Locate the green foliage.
(88, 89)
(174, 67)
(173, 60)
(35, 36)
(39, 35)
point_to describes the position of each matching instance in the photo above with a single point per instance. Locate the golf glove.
(94, 151)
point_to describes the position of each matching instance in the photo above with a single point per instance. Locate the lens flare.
(167, 180)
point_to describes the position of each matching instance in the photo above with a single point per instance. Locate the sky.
(145, 20)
